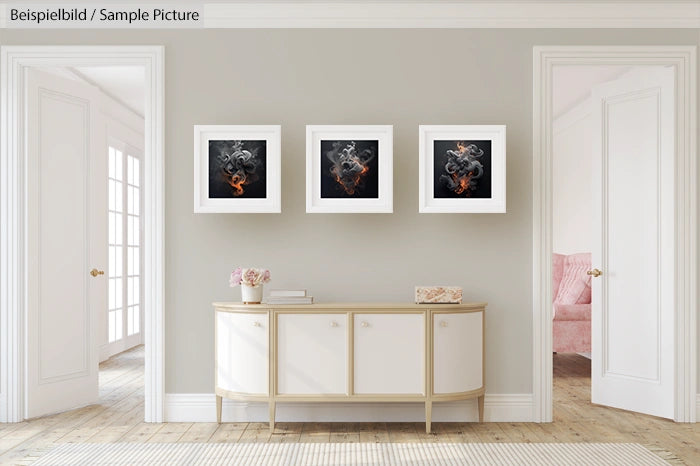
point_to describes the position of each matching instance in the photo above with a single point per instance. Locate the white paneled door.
(66, 230)
(633, 244)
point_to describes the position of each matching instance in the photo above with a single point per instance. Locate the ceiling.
(572, 84)
(124, 83)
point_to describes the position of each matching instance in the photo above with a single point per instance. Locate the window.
(124, 300)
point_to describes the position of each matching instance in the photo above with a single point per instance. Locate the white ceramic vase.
(251, 294)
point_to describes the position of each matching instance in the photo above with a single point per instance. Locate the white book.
(288, 293)
(289, 300)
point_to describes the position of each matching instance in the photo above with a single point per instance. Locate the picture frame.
(237, 169)
(462, 169)
(349, 168)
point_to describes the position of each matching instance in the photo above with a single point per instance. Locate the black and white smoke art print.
(349, 169)
(237, 169)
(462, 169)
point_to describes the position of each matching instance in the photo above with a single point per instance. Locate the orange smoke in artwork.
(238, 166)
(349, 166)
(463, 169)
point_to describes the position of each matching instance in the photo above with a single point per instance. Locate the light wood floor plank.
(118, 417)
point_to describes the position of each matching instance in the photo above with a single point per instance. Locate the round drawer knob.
(365, 323)
(334, 324)
(443, 323)
(256, 324)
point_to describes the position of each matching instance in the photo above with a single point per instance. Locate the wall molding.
(683, 58)
(201, 407)
(13, 236)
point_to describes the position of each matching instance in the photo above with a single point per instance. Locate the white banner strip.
(103, 16)
(358, 14)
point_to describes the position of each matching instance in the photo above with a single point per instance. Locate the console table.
(352, 352)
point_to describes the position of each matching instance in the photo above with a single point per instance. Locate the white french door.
(124, 307)
(633, 305)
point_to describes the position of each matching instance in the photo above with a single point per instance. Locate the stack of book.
(289, 297)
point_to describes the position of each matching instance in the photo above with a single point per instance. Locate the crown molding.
(461, 14)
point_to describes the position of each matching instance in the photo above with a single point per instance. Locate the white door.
(312, 353)
(67, 231)
(389, 353)
(633, 244)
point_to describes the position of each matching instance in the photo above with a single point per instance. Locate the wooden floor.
(119, 418)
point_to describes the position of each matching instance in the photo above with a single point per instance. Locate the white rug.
(539, 454)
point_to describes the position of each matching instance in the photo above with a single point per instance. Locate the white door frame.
(683, 58)
(14, 61)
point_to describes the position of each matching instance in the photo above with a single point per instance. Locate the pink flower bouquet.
(249, 276)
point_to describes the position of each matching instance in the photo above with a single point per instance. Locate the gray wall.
(399, 77)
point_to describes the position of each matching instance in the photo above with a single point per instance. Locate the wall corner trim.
(201, 407)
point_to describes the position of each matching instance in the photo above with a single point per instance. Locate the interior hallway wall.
(402, 77)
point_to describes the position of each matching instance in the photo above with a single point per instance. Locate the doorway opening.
(572, 230)
(642, 253)
(92, 119)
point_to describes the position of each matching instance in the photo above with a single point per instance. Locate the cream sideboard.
(349, 352)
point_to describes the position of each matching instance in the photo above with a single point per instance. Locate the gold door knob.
(595, 272)
(95, 272)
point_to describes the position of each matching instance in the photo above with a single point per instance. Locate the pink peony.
(249, 276)
(236, 276)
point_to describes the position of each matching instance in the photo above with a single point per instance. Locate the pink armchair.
(571, 292)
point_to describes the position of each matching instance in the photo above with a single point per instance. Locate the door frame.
(683, 58)
(14, 61)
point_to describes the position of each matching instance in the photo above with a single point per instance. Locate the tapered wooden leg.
(428, 415)
(218, 409)
(481, 408)
(272, 415)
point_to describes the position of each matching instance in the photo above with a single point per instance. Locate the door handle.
(95, 272)
(595, 273)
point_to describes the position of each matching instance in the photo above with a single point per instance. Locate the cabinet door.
(457, 352)
(311, 354)
(389, 354)
(242, 352)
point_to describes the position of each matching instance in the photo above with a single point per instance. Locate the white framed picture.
(349, 168)
(462, 169)
(237, 169)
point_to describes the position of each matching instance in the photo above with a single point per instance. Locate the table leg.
(428, 415)
(481, 408)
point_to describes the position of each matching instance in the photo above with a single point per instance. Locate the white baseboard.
(697, 408)
(201, 407)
